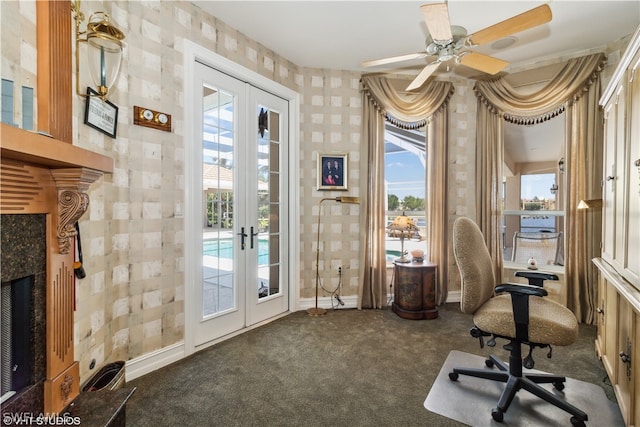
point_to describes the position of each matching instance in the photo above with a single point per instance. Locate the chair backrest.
(546, 248)
(475, 265)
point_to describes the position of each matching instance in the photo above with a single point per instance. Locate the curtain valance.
(406, 110)
(383, 100)
(571, 82)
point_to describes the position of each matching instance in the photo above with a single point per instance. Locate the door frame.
(193, 52)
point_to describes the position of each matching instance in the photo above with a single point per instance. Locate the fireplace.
(43, 185)
(23, 276)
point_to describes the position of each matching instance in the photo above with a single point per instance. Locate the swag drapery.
(575, 89)
(382, 101)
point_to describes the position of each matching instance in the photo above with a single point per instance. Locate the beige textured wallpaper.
(132, 300)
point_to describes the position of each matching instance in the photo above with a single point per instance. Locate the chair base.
(512, 375)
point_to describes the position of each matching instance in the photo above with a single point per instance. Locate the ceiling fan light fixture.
(503, 43)
(446, 54)
(432, 49)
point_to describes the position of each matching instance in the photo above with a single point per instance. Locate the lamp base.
(402, 260)
(316, 311)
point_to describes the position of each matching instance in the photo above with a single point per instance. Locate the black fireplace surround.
(23, 256)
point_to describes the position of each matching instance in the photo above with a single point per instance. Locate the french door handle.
(243, 236)
(252, 236)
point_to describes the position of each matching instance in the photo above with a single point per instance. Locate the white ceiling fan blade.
(484, 63)
(529, 19)
(394, 59)
(436, 16)
(423, 76)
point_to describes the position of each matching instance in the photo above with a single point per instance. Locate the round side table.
(415, 290)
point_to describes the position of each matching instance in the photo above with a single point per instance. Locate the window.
(533, 219)
(405, 160)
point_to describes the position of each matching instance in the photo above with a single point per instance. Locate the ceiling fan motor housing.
(445, 49)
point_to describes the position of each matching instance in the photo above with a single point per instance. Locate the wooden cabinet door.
(635, 402)
(623, 385)
(609, 154)
(601, 322)
(610, 356)
(632, 253)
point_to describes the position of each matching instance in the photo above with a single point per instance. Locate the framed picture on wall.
(100, 115)
(332, 171)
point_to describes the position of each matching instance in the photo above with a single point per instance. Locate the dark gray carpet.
(470, 400)
(348, 368)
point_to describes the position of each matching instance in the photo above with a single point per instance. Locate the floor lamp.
(317, 311)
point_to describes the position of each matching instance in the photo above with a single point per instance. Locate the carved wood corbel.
(72, 204)
(73, 201)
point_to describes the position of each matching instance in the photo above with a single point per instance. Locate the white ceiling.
(342, 34)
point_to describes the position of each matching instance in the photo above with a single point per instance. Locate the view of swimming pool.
(223, 248)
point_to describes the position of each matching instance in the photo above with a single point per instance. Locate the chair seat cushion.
(549, 322)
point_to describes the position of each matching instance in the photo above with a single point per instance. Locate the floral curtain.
(575, 89)
(384, 100)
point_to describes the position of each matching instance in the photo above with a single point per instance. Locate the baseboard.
(350, 301)
(453, 296)
(154, 360)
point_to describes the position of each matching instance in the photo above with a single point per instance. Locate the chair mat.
(470, 400)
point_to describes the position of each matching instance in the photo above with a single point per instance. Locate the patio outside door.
(243, 278)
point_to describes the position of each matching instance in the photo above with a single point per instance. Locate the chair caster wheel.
(559, 385)
(488, 363)
(497, 415)
(453, 376)
(575, 421)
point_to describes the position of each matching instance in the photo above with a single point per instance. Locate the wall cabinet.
(618, 338)
(621, 174)
(618, 311)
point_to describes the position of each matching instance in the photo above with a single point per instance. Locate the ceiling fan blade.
(394, 59)
(436, 16)
(484, 63)
(532, 18)
(423, 76)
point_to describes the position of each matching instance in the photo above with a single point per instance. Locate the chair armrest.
(516, 288)
(536, 278)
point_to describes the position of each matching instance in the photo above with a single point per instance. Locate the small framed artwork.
(100, 115)
(332, 171)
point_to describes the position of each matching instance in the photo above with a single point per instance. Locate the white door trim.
(193, 52)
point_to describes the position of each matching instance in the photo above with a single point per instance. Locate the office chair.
(515, 312)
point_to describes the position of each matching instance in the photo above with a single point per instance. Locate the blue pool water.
(223, 248)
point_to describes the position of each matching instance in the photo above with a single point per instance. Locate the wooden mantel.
(42, 175)
(39, 150)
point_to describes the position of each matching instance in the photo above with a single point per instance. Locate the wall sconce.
(317, 311)
(104, 49)
(554, 188)
(404, 228)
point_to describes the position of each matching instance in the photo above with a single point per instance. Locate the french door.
(240, 147)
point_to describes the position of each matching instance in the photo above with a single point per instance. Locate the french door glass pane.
(268, 150)
(217, 162)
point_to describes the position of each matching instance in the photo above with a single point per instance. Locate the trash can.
(109, 377)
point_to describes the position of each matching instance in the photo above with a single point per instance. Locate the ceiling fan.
(451, 42)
